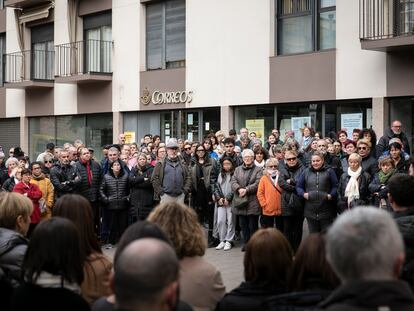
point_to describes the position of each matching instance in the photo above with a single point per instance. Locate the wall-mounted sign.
(161, 98)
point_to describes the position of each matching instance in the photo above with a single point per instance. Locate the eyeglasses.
(200, 150)
(397, 126)
(362, 148)
(291, 159)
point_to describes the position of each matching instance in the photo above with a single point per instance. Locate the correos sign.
(161, 98)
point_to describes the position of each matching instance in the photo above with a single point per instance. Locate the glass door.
(169, 125)
(190, 125)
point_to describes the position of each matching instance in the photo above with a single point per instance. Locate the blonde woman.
(201, 284)
(353, 185)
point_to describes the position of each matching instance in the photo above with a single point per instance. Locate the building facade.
(91, 69)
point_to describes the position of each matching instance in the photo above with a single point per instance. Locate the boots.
(212, 242)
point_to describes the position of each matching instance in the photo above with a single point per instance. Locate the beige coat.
(201, 285)
(96, 277)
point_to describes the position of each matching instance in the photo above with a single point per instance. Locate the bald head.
(146, 274)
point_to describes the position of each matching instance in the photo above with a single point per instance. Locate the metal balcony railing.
(29, 65)
(89, 56)
(384, 19)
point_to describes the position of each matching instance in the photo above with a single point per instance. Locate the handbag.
(242, 202)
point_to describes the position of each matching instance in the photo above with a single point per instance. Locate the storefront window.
(402, 109)
(295, 116)
(347, 116)
(211, 120)
(258, 119)
(94, 130)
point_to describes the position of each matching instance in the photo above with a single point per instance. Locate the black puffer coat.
(90, 192)
(292, 204)
(364, 194)
(318, 184)
(65, 179)
(12, 250)
(114, 191)
(142, 192)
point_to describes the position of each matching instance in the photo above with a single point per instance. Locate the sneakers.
(227, 246)
(221, 245)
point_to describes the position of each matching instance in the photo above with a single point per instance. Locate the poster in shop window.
(298, 123)
(257, 126)
(351, 121)
(129, 137)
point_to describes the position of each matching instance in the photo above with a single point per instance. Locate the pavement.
(229, 263)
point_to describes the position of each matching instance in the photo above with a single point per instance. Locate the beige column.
(380, 115)
(118, 125)
(24, 134)
(226, 119)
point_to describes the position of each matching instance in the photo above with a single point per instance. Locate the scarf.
(88, 171)
(48, 280)
(352, 188)
(384, 177)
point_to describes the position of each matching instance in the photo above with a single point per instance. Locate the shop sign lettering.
(161, 98)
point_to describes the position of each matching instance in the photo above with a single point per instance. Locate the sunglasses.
(362, 148)
(188, 148)
(291, 159)
(48, 161)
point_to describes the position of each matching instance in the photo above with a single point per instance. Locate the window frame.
(164, 62)
(315, 13)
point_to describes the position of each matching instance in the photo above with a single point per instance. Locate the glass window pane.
(327, 30)
(327, 3)
(70, 128)
(106, 48)
(2, 52)
(245, 115)
(295, 35)
(98, 132)
(41, 131)
(154, 35)
(175, 30)
(93, 43)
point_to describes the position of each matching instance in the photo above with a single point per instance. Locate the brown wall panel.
(3, 20)
(303, 77)
(94, 6)
(39, 102)
(400, 74)
(95, 97)
(170, 80)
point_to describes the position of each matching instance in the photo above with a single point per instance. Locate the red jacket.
(34, 194)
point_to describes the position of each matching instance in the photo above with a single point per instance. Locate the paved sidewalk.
(230, 264)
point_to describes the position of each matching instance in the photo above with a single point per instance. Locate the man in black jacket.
(400, 187)
(366, 250)
(91, 176)
(395, 131)
(63, 176)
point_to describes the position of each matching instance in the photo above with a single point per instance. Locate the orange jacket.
(269, 198)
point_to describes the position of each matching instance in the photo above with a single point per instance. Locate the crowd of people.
(162, 197)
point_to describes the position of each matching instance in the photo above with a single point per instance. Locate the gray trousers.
(226, 223)
(165, 198)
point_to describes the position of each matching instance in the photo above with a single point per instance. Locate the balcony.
(24, 3)
(84, 62)
(386, 25)
(29, 69)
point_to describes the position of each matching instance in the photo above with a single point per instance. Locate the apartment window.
(98, 42)
(165, 34)
(42, 55)
(305, 25)
(406, 17)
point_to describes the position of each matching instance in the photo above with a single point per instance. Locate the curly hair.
(181, 226)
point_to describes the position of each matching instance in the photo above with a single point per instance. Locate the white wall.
(359, 73)
(65, 95)
(126, 28)
(227, 52)
(15, 99)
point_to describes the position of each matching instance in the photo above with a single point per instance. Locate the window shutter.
(175, 30)
(154, 33)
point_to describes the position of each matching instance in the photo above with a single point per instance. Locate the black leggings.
(249, 225)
